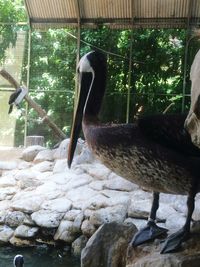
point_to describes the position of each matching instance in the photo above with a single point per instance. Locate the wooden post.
(33, 140)
(35, 106)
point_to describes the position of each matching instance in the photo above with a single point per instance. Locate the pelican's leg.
(151, 231)
(174, 241)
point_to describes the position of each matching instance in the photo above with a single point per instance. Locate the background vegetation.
(156, 79)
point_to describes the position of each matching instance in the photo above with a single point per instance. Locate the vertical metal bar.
(185, 72)
(78, 49)
(28, 82)
(188, 39)
(130, 69)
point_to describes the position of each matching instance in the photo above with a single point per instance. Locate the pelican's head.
(91, 68)
(18, 261)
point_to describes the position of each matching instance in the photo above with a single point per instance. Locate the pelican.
(18, 261)
(155, 153)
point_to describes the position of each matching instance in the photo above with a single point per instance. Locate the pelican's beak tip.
(69, 163)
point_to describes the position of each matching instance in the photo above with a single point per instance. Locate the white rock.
(44, 155)
(28, 204)
(101, 201)
(10, 173)
(64, 231)
(80, 194)
(44, 176)
(7, 193)
(3, 214)
(117, 197)
(61, 151)
(60, 165)
(49, 190)
(78, 221)
(87, 228)
(196, 213)
(78, 245)
(97, 185)
(78, 169)
(5, 234)
(86, 156)
(137, 222)
(25, 231)
(115, 193)
(47, 218)
(71, 215)
(24, 165)
(14, 218)
(27, 182)
(142, 207)
(139, 194)
(23, 174)
(77, 181)
(60, 178)
(109, 214)
(178, 202)
(43, 166)
(165, 211)
(30, 152)
(28, 221)
(118, 183)
(6, 181)
(97, 171)
(4, 205)
(59, 205)
(8, 165)
(94, 203)
(175, 221)
(19, 242)
(88, 213)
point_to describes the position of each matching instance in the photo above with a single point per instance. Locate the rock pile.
(41, 200)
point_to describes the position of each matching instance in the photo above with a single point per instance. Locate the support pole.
(129, 71)
(78, 50)
(28, 83)
(185, 72)
(188, 39)
(35, 106)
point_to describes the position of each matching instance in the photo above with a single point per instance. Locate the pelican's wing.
(168, 130)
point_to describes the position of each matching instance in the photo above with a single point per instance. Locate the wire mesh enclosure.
(145, 75)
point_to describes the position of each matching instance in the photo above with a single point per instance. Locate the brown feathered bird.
(155, 153)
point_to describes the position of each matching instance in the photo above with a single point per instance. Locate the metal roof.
(114, 13)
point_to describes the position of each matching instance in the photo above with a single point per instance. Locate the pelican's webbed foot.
(174, 241)
(150, 232)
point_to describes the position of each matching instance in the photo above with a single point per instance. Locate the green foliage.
(53, 64)
(156, 79)
(11, 13)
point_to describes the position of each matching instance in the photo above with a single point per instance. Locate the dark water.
(41, 256)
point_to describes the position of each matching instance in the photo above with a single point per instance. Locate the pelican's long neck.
(96, 93)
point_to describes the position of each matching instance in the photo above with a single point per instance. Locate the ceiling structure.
(118, 14)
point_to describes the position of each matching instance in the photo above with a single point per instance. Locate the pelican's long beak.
(85, 83)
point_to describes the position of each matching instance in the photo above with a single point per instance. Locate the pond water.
(41, 256)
